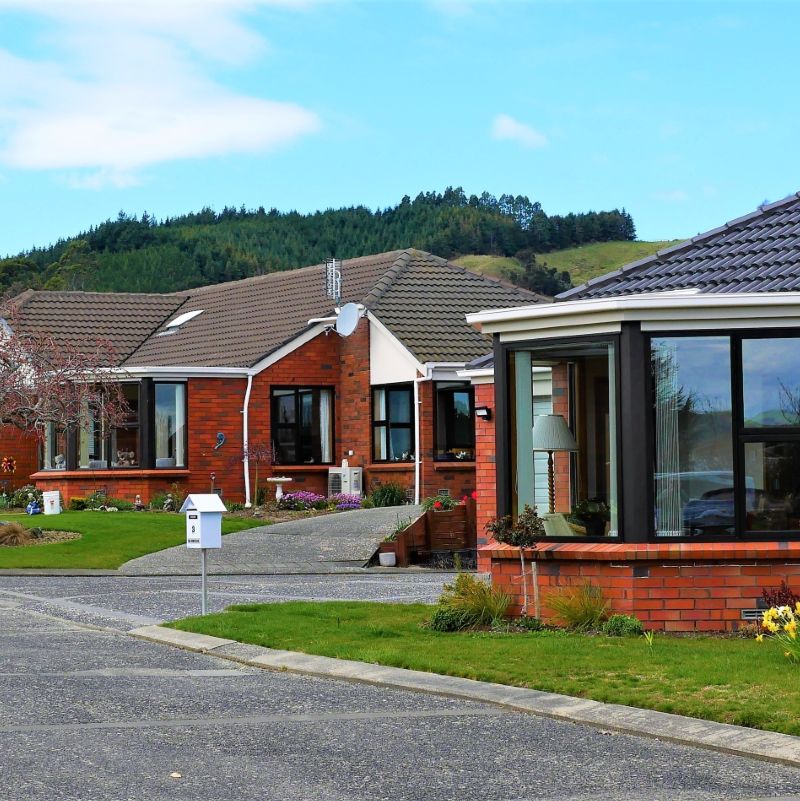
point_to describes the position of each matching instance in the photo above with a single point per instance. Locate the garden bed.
(729, 680)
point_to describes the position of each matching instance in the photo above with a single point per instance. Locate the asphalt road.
(89, 713)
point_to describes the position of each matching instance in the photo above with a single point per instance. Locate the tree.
(44, 380)
(255, 454)
(522, 533)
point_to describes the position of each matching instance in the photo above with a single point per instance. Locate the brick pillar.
(354, 399)
(485, 469)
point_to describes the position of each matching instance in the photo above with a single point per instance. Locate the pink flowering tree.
(256, 454)
(47, 380)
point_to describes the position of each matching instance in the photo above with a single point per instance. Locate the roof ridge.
(494, 279)
(761, 211)
(383, 284)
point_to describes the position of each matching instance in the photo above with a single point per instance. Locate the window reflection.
(771, 382)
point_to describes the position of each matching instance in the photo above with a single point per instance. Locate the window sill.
(639, 551)
(114, 471)
(288, 469)
(378, 467)
(460, 465)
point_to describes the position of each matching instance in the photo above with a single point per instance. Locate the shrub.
(14, 534)
(445, 618)
(157, 501)
(623, 626)
(582, 607)
(779, 596)
(472, 602)
(389, 494)
(77, 504)
(21, 497)
(235, 507)
(302, 501)
(441, 503)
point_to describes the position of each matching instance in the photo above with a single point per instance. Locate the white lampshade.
(551, 433)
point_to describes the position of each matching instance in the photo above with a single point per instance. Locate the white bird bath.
(279, 481)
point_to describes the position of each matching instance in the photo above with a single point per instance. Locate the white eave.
(178, 372)
(676, 310)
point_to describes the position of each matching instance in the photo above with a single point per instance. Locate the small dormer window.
(173, 326)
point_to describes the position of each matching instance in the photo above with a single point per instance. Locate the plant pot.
(387, 558)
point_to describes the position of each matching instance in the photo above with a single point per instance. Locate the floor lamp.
(551, 434)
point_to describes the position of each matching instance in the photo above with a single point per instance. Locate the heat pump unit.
(345, 479)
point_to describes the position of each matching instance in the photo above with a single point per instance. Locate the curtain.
(669, 515)
(325, 426)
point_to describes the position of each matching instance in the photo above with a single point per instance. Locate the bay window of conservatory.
(563, 423)
(102, 446)
(170, 425)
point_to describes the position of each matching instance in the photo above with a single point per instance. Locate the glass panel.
(399, 406)
(380, 445)
(573, 385)
(455, 427)
(772, 482)
(400, 447)
(693, 427)
(284, 404)
(54, 448)
(306, 427)
(378, 404)
(92, 450)
(125, 447)
(131, 394)
(326, 425)
(170, 425)
(285, 445)
(771, 382)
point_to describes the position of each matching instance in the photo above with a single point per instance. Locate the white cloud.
(506, 127)
(129, 84)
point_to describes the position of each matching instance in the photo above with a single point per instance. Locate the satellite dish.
(347, 321)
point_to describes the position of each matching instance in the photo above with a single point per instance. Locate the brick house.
(677, 379)
(215, 375)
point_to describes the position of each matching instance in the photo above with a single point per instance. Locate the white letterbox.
(203, 521)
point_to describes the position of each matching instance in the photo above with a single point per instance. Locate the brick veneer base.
(676, 587)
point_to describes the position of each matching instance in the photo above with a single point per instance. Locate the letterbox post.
(203, 531)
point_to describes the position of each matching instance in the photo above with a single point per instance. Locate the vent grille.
(752, 614)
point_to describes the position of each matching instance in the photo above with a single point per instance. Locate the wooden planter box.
(451, 530)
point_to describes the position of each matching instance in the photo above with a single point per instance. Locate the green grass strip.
(728, 680)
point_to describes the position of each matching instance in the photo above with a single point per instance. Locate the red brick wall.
(125, 486)
(705, 590)
(24, 447)
(353, 402)
(485, 468)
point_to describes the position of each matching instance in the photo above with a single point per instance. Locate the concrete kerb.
(722, 737)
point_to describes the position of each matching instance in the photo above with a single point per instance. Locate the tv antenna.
(333, 279)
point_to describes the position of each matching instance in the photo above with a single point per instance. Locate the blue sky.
(684, 113)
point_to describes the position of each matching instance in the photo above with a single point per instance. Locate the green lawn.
(495, 266)
(728, 680)
(109, 538)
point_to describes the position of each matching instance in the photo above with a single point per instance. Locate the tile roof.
(84, 318)
(421, 298)
(759, 252)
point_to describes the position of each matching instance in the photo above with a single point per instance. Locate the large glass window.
(393, 423)
(771, 382)
(100, 446)
(54, 448)
(694, 480)
(563, 416)
(170, 425)
(302, 425)
(455, 424)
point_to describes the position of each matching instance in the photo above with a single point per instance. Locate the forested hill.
(141, 254)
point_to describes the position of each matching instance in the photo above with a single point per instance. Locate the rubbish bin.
(52, 502)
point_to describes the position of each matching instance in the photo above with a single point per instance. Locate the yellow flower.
(759, 638)
(787, 653)
(797, 608)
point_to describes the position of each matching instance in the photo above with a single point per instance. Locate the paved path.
(94, 714)
(123, 602)
(338, 543)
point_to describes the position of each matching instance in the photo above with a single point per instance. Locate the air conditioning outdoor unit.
(345, 479)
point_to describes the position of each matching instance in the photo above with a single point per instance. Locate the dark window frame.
(150, 392)
(741, 434)
(389, 425)
(450, 390)
(504, 416)
(297, 389)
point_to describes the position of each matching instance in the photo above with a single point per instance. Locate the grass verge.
(109, 539)
(727, 680)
